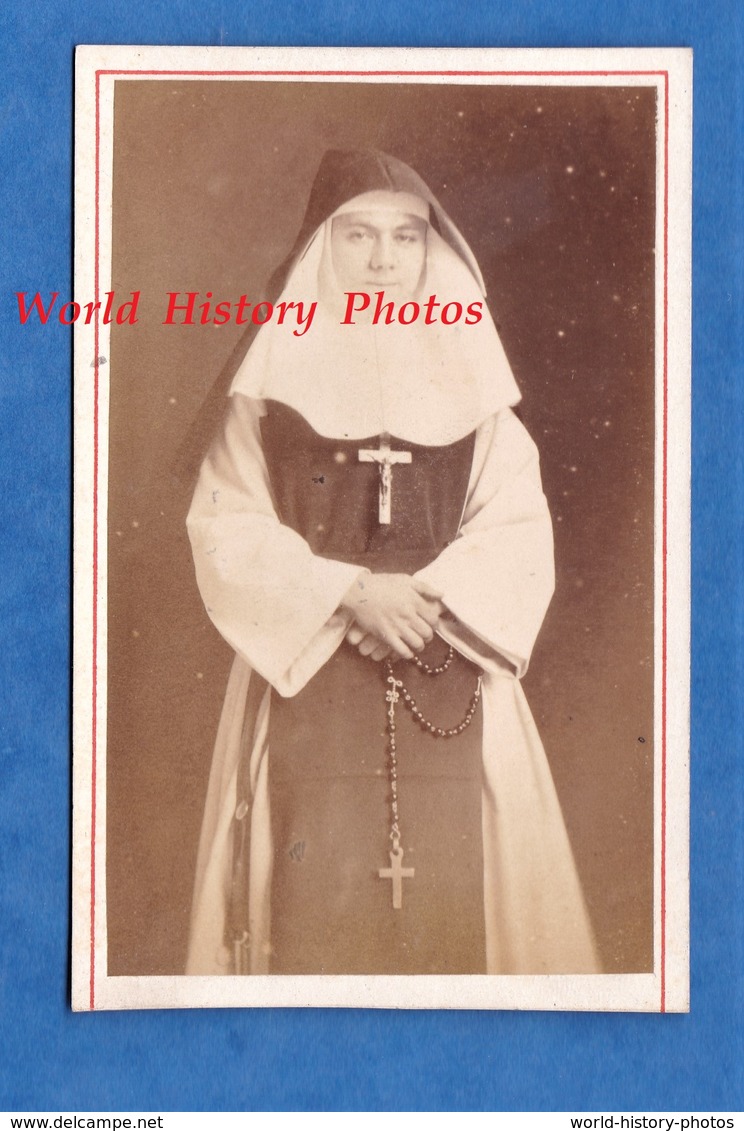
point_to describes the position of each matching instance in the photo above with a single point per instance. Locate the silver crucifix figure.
(385, 457)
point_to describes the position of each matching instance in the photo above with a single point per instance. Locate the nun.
(371, 538)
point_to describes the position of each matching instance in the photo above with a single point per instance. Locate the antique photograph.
(382, 534)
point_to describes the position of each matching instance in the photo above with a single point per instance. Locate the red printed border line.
(96, 286)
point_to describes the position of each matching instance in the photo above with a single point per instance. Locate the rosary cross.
(385, 457)
(397, 873)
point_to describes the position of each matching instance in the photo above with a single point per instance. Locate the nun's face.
(379, 250)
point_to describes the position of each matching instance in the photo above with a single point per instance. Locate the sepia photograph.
(381, 529)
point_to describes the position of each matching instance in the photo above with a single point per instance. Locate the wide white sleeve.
(497, 576)
(271, 598)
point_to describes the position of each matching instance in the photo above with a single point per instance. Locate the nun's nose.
(383, 257)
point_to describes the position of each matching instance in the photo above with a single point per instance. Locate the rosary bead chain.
(446, 663)
(400, 691)
(442, 732)
(397, 690)
(391, 697)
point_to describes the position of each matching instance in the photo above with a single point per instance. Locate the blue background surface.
(305, 1060)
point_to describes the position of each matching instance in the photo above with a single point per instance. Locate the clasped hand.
(393, 614)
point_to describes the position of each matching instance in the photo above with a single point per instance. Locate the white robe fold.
(276, 603)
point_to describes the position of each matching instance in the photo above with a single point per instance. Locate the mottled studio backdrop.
(554, 190)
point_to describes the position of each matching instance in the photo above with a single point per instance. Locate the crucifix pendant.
(397, 873)
(385, 458)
